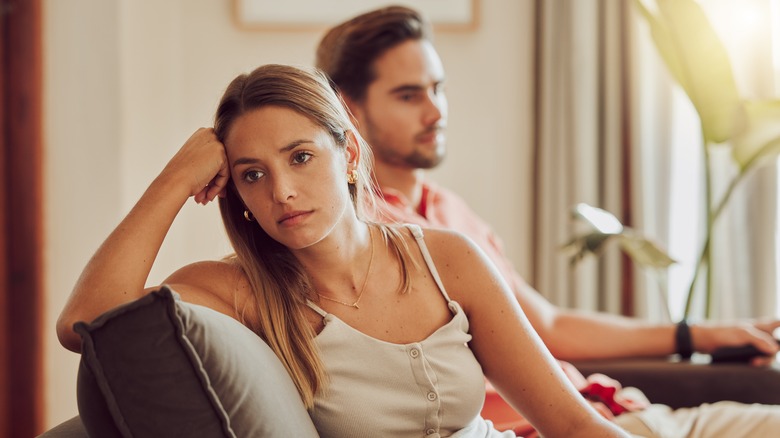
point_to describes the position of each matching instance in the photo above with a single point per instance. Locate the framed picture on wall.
(311, 14)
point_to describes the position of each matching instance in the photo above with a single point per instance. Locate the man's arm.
(580, 335)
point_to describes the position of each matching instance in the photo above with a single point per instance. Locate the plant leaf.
(699, 62)
(641, 250)
(600, 219)
(582, 245)
(644, 252)
(761, 136)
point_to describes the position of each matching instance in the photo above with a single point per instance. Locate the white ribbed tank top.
(432, 388)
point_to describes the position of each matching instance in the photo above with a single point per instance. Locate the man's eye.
(253, 175)
(301, 157)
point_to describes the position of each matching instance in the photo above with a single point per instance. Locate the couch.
(160, 367)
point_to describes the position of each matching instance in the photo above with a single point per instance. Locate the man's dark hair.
(348, 51)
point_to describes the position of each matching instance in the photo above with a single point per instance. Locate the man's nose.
(435, 108)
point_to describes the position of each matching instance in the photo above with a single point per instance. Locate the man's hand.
(709, 336)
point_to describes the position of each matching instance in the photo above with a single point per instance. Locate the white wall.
(127, 81)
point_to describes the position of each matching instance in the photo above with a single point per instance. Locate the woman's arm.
(118, 271)
(512, 355)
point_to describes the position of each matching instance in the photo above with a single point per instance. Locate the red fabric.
(609, 392)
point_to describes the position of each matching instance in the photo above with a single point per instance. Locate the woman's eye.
(253, 175)
(301, 157)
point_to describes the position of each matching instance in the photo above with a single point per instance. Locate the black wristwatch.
(683, 341)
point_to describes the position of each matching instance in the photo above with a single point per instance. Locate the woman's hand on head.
(202, 164)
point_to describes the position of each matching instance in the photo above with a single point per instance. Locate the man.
(389, 74)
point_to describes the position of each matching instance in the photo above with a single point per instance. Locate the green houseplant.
(698, 61)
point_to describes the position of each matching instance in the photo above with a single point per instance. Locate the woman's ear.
(352, 150)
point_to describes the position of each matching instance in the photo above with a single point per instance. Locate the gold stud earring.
(352, 177)
(248, 216)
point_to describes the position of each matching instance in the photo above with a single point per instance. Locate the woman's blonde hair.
(279, 283)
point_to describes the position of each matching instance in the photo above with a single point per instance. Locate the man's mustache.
(433, 129)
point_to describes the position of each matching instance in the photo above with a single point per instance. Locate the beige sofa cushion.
(160, 367)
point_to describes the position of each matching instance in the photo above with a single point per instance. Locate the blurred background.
(551, 103)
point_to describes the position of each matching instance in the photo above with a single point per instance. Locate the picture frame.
(318, 14)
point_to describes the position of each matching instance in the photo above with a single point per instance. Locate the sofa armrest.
(690, 383)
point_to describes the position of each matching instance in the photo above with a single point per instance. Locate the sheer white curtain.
(667, 136)
(581, 145)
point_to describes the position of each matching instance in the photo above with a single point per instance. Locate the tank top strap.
(316, 308)
(418, 236)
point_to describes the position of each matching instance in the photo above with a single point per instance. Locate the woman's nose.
(283, 189)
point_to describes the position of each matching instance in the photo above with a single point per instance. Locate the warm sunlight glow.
(735, 21)
(745, 27)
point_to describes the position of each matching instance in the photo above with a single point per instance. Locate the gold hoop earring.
(248, 216)
(352, 177)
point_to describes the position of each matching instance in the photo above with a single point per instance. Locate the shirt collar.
(395, 197)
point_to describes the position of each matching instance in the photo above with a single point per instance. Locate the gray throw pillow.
(160, 367)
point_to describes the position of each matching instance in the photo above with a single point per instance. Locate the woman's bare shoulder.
(219, 284)
(449, 244)
(462, 265)
(216, 273)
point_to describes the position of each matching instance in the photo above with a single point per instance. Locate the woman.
(373, 336)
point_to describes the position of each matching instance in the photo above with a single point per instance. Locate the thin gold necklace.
(365, 280)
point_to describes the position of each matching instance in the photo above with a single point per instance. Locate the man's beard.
(415, 160)
(422, 161)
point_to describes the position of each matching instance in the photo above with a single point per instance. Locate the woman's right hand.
(119, 270)
(202, 164)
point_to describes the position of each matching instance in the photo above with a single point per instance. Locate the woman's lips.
(293, 218)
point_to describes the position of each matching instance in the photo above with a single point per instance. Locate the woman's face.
(290, 174)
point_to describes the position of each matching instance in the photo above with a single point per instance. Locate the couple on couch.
(385, 330)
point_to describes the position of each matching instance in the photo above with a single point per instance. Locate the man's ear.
(355, 109)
